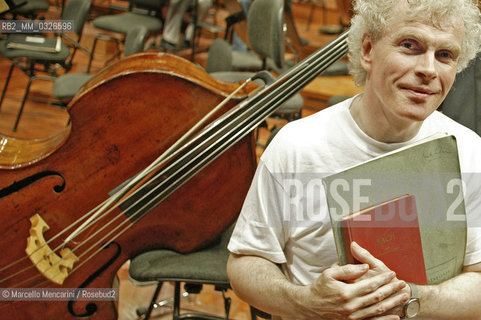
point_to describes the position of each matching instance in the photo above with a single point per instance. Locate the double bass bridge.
(52, 266)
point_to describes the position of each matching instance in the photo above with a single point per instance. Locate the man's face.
(412, 66)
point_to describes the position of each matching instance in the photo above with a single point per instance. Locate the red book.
(390, 232)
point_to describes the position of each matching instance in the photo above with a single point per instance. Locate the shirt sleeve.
(259, 230)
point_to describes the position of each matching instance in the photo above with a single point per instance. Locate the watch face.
(412, 308)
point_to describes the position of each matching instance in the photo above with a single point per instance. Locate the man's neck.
(378, 125)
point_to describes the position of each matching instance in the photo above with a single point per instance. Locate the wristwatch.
(411, 308)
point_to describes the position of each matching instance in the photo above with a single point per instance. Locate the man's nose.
(426, 66)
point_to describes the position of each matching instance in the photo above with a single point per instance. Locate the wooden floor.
(41, 119)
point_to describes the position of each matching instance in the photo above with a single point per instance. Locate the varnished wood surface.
(41, 120)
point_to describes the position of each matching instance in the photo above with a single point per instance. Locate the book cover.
(35, 43)
(389, 230)
(428, 172)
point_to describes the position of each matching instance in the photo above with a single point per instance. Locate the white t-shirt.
(324, 143)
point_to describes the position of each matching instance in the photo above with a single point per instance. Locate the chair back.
(265, 28)
(219, 57)
(135, 40)
(150, 5)
(77, 11)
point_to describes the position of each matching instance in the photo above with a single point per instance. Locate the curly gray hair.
(372, 17)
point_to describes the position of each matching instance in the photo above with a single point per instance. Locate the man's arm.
(334, 295)
(457, 298)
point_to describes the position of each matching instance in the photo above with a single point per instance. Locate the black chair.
(35, 62)
(203, 267)
(147, 13)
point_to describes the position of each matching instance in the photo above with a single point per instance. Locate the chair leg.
(176, 314)
(227, 303)
(104, 37)
(91, 57)
(10, 71)
(117, 55)
(27, 90)
(253, 314)
(20, 111)
(194, 33)
(256, 312)
(152, 302)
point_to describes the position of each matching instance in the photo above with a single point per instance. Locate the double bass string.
(94, 214)
(339, 50)
(208, 154)
(124, 229)
(313, 67)
(306, 77)
(132, 185)
(156, 164)
(285, 89)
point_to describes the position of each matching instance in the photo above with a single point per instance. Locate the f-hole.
(19, 185)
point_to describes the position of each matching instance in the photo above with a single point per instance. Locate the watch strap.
(414, 290)
(414, 299)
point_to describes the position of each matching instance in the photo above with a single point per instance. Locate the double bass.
(77, 205)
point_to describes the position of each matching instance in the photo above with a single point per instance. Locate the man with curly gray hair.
(406, 54)
(371, 19)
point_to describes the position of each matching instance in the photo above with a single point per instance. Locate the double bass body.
(124, 118)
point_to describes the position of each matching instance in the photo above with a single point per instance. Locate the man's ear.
(366, 52)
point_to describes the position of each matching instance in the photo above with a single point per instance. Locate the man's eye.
(408, 44)
(446, 55)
